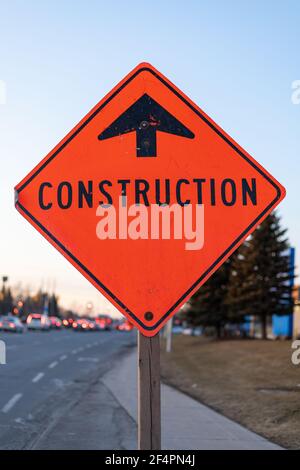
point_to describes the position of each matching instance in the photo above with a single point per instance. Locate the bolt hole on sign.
(147, 197)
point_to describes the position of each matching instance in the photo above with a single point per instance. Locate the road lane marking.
(53, 364)
(38, 377)
(62, 358)
(11, 403)
(74, 351)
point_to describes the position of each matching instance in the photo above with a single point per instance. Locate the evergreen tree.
(53, 306)
(260, 280)
(6, 304)
(236, 298)
(207, 306)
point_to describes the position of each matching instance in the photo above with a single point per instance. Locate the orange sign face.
(147, 197)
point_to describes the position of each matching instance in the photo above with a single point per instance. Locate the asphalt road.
(46, 373)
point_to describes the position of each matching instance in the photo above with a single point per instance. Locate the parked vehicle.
(38, 322)
(12, 324)
(177, 329)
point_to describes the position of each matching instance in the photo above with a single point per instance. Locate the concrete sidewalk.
(186, 423)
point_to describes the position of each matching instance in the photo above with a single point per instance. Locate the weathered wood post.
(149, 417)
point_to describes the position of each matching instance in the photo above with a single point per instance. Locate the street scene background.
(230, 357)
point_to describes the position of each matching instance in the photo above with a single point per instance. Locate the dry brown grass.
(251, 381)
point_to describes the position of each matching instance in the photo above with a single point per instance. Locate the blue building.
(282, 325)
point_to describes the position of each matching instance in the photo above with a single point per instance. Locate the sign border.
(142, 68)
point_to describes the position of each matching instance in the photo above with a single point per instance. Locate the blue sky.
(236, 60)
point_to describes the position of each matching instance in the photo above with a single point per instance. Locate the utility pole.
(169, 327)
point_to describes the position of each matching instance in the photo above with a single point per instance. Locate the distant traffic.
(41, 322)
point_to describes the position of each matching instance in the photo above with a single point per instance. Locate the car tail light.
(12, 325)
(74, 324)
(29, 318)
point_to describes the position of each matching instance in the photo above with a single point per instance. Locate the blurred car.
(92, 325)
(187, 331)
(38, 322)
(104, 322)
(100, 325)
(177, 329)
(125, 326)
(116, 323)
(68, 322)
(55, 323)
(12, 324)
(198, 331)
(81, 325)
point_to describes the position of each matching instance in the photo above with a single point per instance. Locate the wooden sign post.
(149, 420)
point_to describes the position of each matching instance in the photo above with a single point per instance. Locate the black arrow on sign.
(145, 117)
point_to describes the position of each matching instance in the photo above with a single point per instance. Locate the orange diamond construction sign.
(147, 197)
